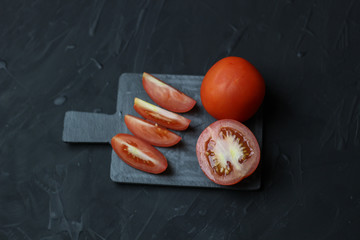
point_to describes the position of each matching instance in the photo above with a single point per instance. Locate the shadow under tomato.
(195, 110)
(169, 171)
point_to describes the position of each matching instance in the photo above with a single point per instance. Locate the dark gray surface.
(57, 56)
(183, 167)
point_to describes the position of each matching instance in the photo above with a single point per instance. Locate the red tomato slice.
(138, 153)
(161, 116)
(151, 133)
(227, 152)
(166, 96)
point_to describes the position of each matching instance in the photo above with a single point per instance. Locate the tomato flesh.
(138, 153)
(227, 152)
(151, 133)
(161, 116)
(165, 95)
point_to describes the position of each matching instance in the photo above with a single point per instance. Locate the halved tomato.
(227, 152)
(161, 116)
(165, 95)
(138, 153)
(151, 133)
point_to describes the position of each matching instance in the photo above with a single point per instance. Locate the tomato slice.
(227, 152)
(138, 153)
(161, 116)
(151, 133)
(166, 96)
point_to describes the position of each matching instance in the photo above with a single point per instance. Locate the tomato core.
(162, 120)
(229, 151)
(137, 155)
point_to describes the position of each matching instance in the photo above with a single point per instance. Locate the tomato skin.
(157, 162)
(232, 89)
(236, 175)
(161, 116)
(151, 133)
(166, 96)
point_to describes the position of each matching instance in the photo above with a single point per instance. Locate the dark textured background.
(57, 56)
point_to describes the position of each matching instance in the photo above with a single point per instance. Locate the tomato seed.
(232, 144)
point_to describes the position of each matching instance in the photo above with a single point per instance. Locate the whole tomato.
(232, 89)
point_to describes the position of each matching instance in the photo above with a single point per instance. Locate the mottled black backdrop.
(57, 56)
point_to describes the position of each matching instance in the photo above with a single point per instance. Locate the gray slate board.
(183, 169)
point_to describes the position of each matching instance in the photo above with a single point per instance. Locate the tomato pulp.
(232, 89)
(138, 153)
(151, 133)
(227, 152)
(161, 116)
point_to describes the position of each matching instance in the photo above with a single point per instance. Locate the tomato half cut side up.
(151, 133)
(227, 152)
(161, 116)
(138, 153)
(166, 96)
